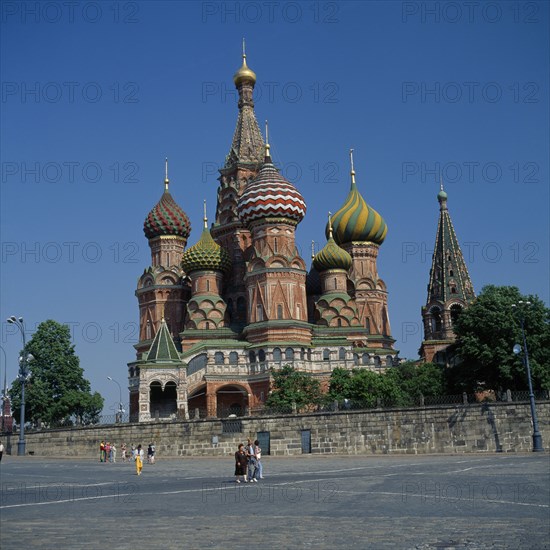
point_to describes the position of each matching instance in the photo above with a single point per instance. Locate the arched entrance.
(231, 399)
(162, 401)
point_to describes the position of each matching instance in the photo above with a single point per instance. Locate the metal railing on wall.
(229, 414)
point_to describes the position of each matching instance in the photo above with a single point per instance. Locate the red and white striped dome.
(269, 195)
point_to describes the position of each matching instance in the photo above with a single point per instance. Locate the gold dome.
(244, 74)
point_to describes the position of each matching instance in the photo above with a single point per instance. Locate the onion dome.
(244, 73)
(441, 196)
(331, 256)
(166, 217)
(269, 195)
(356, 220)
(206, 254)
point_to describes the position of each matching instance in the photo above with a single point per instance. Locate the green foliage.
(425, 379)
(398, 386)
(291, 386)
(486, 333)
(56, 389)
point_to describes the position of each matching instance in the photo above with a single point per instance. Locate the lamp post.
(120, 408)
(23, 376)
(537, 438)
(5, 388)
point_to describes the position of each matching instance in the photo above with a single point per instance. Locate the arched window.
(233, 358)
(218, 358)
(451, 273)
(279, 311)
(326, 354)
(339, 322)
(356, 359)
(252, 356)
(377, 361)
(289, 354)
(365, 359)
(277, 355)
(436, 319)
(261, 356)
(207, 325)
(389, 360)
(302, 354)
(341, 354)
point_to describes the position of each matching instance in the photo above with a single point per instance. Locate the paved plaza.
(458, 501)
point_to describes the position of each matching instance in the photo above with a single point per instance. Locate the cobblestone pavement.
(410, 502)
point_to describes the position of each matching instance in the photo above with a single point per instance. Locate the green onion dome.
(357, 221)
(206, 254)
(331, 256)
(166, 218)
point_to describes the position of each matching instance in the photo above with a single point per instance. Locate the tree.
(486, 332)
(425, 379)
(364, 387)
(291, 386)
(56, 389)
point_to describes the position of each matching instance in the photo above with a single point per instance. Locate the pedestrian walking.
(252, 464)
(102, 451)
(259, 465)
(1, 450)
(241, 461)
(123, 452)
(151, 454)
(139, 460)
(113, 453)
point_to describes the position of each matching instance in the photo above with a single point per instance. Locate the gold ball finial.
(166, 180)
(244, 74)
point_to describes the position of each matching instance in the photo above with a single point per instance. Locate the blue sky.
(96, 95)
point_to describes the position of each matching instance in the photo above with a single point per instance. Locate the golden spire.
(352, 173)
(330, 222)
(205, 219)
(244, 73)
(267, 153)
(166, 180)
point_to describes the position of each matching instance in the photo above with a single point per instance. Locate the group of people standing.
(248, 462)
(107, 452)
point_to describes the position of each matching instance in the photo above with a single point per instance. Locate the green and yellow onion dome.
(206, 254)
(166, 218)
(356, 221)
(331, 256)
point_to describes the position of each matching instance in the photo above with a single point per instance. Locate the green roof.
(163, 349)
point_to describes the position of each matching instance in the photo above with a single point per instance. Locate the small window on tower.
(207, 285)
(451, 273)
(279, 311)
(275, 248)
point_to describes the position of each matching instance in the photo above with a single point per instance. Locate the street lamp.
(23, 377)
(120, 408)
(5, 387)
(517, 349)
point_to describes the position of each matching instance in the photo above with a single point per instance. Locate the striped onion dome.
(357, 221)
(269, 195)
(206, 254)
(331, 256)
(166, 218)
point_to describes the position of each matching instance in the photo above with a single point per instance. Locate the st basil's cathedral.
(216, 317)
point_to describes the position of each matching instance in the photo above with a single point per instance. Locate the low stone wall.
(468, 428)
